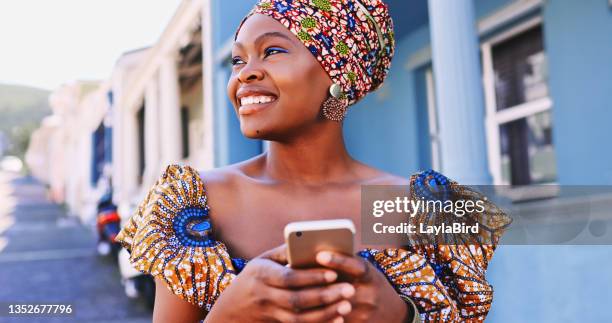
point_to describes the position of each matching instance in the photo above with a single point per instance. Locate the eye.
(236, 60)
(274, 50)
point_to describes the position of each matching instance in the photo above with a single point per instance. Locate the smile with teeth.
(248, 100)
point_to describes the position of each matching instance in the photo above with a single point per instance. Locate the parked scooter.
(108, 225)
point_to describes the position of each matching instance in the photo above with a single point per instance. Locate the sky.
(45, 43)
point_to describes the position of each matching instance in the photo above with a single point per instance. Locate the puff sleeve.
(170, 237)
(446, 280)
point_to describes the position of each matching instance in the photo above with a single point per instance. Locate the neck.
(313, 157)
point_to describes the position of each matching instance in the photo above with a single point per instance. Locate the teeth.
(256, 100)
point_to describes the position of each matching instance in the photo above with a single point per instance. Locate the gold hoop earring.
(334, 108)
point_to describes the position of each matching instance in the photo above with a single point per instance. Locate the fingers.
(352, 266)
(312, 297)
(330, 313)
(278, 254)
(287, 278)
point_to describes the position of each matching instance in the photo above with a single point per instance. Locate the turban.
(353, 40)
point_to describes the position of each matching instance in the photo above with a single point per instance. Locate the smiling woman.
(214, 238)
(274, 65)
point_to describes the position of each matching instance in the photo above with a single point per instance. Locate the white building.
(122, 133)
(158, 116)
(61, 152)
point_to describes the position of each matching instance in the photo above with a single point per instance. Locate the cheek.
(232, 88)
(303, 85)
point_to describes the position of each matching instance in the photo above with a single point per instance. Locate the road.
(47, 257)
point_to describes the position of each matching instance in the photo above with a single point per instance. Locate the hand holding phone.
(306, 238)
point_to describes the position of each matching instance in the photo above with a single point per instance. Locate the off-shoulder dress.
(169, 236)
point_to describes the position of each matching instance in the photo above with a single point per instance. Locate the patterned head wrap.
(353, 40)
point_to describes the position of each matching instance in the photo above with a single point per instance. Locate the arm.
(170, 308)
(375, 299)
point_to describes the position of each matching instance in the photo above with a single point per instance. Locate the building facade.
(506, 92)
(158, 114)
(67, 151)
(539, 102)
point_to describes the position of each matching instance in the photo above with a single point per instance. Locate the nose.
(250, 72)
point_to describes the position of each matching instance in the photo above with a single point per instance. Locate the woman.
(297, 66)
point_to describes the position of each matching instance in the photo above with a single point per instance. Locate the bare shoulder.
(222, 189)
(390, 179)
(230, 177)
(377, 176)
(219, 177)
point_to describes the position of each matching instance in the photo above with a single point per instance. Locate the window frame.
(432, 119)
(495, 119)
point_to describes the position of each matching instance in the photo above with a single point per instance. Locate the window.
(519, 109)
(185, 131)
(140, 116)
(98, 155)
(108, 145)
(426, 115)
(108, 133)
(432, 117)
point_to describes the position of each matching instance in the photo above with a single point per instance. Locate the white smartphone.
(306, 238)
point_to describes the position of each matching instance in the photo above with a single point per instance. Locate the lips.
(252, 100)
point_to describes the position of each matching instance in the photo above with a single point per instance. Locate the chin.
(252, 135)
(252, 131)
(263, 133)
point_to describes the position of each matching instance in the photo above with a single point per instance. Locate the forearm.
(398, 310)
(170, 308)
(218, 313)
(211, 317)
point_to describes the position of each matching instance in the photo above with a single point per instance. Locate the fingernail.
(344, 308)
(330, 276)
(339, 319)
(324, 257)
(347, 291)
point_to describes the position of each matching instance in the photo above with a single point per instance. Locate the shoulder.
(228, 188)
(375, 176)
(229, 177)
(220, 178)
(171, 222)
(423, 182)
(385, 178)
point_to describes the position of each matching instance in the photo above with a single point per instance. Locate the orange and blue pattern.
(170, 237)
(352, 40)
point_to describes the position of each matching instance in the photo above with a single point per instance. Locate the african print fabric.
(170, 237)
(352, 40)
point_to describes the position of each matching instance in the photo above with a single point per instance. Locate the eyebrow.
(263, 36)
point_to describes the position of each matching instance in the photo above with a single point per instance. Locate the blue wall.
(578, 47)
(230, 145)
(486, 7)
(383, 129)
(567, 283)
(227, 15)
(578, 40)
(388, 129)
(551, 284)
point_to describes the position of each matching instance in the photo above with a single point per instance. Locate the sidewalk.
(48, 258)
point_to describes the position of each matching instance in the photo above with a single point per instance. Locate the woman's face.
(277, 86)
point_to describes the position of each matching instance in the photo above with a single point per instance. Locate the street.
(47, 257)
